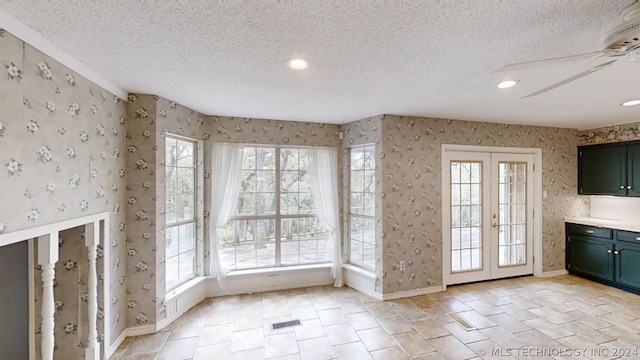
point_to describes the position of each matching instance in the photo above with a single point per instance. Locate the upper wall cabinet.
(609, 169)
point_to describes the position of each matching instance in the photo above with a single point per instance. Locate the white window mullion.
(278, 222)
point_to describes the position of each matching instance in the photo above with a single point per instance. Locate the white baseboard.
(180, 300)
(553, 273)
(410, 293)
(133, 331)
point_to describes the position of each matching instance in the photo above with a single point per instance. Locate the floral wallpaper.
(411, 204)
(150, 119)
(61, 157)
(608, 134)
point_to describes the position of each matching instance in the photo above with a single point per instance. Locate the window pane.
(357, 181)
(172, 244)
(185, 180)
(247, 203)
(184, 210)
(184, 154)
(172, 275)
(305, 203)
(187, 237)
(357, 203)
(289, 203)
(187, 265)
(170, 210)
(266, 159)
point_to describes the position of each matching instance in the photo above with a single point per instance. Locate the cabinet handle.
(638, 238)
(609, 251)
(621, 187)
(628, 187)
(589, 231)
(616, 252)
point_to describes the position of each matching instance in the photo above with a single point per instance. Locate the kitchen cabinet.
(606, 255)
(609, 169)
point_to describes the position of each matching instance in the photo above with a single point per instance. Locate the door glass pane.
(512, 213)
(466, 216)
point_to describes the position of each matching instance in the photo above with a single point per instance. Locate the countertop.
(605, 223)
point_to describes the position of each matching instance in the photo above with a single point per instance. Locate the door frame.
(537, 201)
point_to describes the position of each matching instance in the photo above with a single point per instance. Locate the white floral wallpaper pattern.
(410, 218)
(626, 132)
(61, 157)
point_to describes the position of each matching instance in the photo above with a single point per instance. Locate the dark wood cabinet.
(609, 169)
(606, 255)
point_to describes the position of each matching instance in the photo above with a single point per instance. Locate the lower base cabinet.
(606, 255)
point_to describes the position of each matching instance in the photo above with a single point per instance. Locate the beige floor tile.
(352, 305)
(489, 350)
(559, 312)
(429, 328)
(295, 300)
(504, 338)
(179, 349)
(477, 320)
(247, 339)
(217, 351)
(363, 320)
(483, 308)
(352, 351)
(280, 345)
(341, 334)
(463, 335)
(187, 328)
(509, 323)
(395, 324)
(376, 339)
(216, 334)
(304, 312)
(316, 349)
(413, 344)
(252, 354)
(332, 316)
(149, 356)
(248, 321)
(147, 344)
(324, 302)
(309, 329)
(381, 309)
(394, 353)
(452, 348)
(222, 316)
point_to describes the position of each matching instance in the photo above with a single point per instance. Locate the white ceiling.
(425, 58)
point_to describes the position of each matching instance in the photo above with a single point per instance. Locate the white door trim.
(537, 198)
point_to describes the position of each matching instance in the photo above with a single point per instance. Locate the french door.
(488, 199)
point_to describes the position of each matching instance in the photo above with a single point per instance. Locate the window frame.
(198, 211)
(362, 216)
(277, 216)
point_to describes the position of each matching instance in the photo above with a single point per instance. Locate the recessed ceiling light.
(631, 102)
(508, 84)
(297, 63)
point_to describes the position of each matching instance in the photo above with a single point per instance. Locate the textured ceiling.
(426, 58)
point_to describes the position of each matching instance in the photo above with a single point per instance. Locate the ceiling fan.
(621, 42)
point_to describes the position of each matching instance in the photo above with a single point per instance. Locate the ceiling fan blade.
(528, 64)
(573, 78)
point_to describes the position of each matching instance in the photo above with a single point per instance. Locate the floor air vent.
(285, 324)
(460, 321)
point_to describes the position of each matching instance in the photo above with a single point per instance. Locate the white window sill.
(184, 288)
(359, 270)
(279, 270)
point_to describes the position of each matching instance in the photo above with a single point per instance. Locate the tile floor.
(564, 317)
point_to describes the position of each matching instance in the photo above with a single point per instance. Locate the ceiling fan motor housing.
(624, 37)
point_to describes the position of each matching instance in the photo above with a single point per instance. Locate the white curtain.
(226, 171)
(323, 178)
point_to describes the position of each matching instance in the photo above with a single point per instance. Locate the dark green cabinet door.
(628, 264)
(602, 170)
(591, 257)
(633, 170)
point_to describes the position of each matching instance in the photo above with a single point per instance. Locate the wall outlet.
(402, 265)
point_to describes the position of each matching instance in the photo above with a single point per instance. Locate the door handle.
(589, 231)
(621, 187)
(609, 251)
(628, 187)
(638, 238)
(616, 252)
